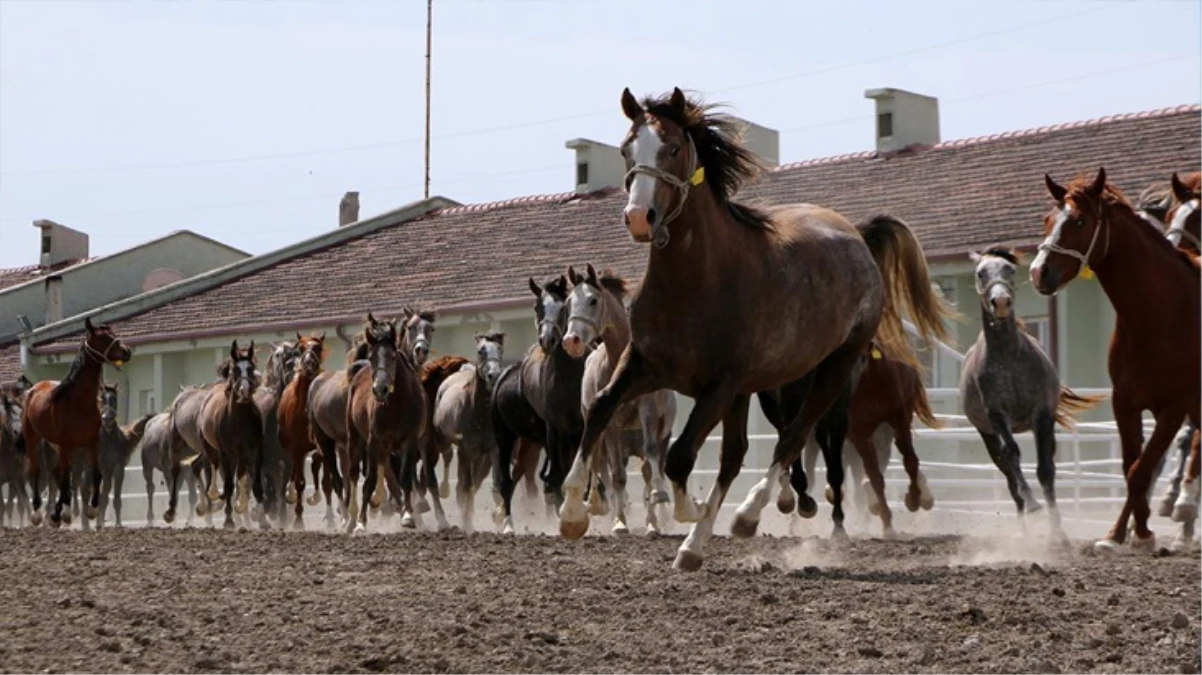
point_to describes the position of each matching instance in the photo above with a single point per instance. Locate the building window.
(146, 402)
(582, 173)
(884, 125)
(45, 243)
(1038, 328)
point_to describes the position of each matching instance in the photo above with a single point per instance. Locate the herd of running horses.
(792, 304)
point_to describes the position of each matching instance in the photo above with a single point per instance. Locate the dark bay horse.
(293, 416)
(596, 312)
(232, 427)
(546, 393)
(385, 415)
(736, 300)
(1093, 225)
(65, 415)
(12, 463)
(1008, 385)
(462, 416)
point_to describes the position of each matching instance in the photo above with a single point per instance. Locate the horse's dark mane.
(73, 373)
(492, 336)
(1009, 255)
(358, 351)
(728, 165)
(615, 284)
(1113, 198)
(557, 286)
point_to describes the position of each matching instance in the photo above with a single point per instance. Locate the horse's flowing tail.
(1071, 402)
(907, 285)
(922, 408)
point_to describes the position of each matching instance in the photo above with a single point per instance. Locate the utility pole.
(429, 18)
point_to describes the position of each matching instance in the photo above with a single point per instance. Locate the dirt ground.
(207, 600)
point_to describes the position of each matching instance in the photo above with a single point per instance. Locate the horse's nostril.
(652, 216)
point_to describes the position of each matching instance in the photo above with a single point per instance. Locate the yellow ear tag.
(876, 353)
(1086, 273)
(698, 176)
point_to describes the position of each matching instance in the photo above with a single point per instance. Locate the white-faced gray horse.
(1008, 385)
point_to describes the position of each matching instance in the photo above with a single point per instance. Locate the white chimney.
(348, 209)
(61, 244)
(597, 165)
(904, 118)
(762, 141)
(54, 298)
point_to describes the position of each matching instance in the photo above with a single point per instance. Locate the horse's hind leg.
(918, 496)
(1001, 459)
(830, 381)
(431, 455)
(866, 450)
(444, 486)
(298, 485)
(315, 463)
(1174, 488)
(1185, 510)
(832, 454)
(148, 477)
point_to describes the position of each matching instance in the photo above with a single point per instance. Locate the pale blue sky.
(329, 95)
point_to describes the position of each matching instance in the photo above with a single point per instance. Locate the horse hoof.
(887, 532)
(912, 502)
(1183, 544)
(620, 529)
(358, 529)
(228, 524)
(839, 534)
(507, 527)
(314, 500)
(423, 506)
(1032, 506)
(1165, 510)
(572, 529)
(1184, 512)
(408, 522)
(201, 510)
(1107, 546)
(66, 518)
(597, 509)
(687, 561)
(444, 491)
(92, 512)
(169, 516)
(927, 502)
(744, 526)
(36, 519)
(830, 495)
(807, 507)
(498, 516)
(299, 524)
(653, 530)
(660, 497)
(56, 522)
(240, 509)
(786, 502)
(1144, 544)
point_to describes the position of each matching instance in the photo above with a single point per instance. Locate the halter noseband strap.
(1052, 246)
(659, 232)
(1177, 226)
(100, 356)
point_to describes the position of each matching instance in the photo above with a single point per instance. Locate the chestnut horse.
(65, 415)
(434, 447)
(736, 300)
(385, 415)
(889, 395)
(293, 416)
(232, 427)
(1093, 225)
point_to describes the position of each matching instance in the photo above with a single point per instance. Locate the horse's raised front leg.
(1008, 458)
(734, 448)
(712, 404)
(629, 379)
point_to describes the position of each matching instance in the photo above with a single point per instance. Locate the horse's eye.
(674, 150)
(592, 302)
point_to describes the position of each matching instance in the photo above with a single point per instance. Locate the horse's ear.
(1055, 189)
(592, 276)
(678, 101)
(1099, 183)
(535, 288)
(630, 106)
(500, 336)
(234, 349)
(574, 276)
(298, 338)
(251, 349)
(974, 257)
(322, 337)
(1180, 190)
(87, 323)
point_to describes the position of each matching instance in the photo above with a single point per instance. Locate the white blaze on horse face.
(1053, 238)
(1177, 226)
(644, 151)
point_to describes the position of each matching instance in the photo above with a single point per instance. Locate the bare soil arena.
(200, 600)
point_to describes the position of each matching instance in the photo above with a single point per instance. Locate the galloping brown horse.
(385, 414)
(736, 300)
(293, 415)
(232, 427)
(65, 414)
(1151, 368)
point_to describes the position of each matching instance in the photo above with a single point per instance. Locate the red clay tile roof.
(18, 275)
(958, 196)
